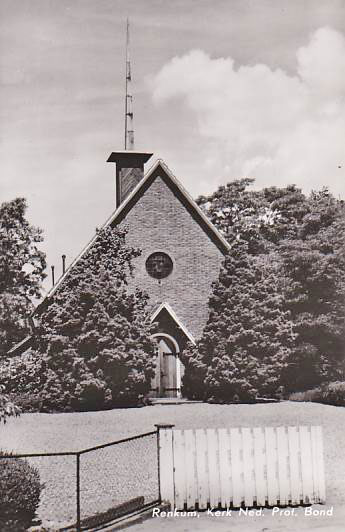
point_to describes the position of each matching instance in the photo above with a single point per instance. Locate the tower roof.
(129, 157)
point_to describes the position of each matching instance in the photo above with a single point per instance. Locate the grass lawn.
(65, 432)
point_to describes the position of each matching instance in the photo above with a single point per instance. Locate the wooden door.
(167, 356)
(165, 380)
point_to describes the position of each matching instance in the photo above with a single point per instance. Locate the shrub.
(27, 402)
(7, 407)
(25, 373)
(95, 333)
(248, 337)
(332, 393)
(93, 344)
(20, 490)
(314, 395)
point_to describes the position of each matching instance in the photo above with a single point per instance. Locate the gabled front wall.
(159, 222)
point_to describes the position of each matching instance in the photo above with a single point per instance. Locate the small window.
(159, 265)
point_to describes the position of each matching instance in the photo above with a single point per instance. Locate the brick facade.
(158, 221)
(161, 217)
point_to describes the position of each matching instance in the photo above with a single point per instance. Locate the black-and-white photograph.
(172, 265)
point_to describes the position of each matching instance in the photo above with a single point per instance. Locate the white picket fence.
(235, 467)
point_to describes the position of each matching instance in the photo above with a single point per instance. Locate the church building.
(181, 256)
(182, 252)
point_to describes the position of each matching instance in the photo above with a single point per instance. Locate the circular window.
(159, 265)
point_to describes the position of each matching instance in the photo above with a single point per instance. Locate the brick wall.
(159, 222)
(128, 180)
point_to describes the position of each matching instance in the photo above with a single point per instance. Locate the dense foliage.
(7, 407)
(248, 338)
(23, 378)
(314, 264)
(295, 245)
(331, 393)
(20, 490)
(22, 267)
(241, 214)
(94, 334)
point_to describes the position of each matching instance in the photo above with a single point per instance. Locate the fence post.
(78, 492)
(166, 463)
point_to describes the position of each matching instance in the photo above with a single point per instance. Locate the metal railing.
(88, 488)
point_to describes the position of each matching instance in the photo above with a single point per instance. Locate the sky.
(223, 89)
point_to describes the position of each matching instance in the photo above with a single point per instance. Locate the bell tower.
(129, 171)
(129, 163)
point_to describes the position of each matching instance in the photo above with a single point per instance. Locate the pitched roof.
(158, 169)
(167, 307)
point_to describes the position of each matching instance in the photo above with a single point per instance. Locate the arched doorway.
(169, 368)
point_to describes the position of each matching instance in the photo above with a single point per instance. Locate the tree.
(290, 206)
(239, 213)
(22, 267)
(94, 334)
(307, 235)
(314, 263)
(248, 336)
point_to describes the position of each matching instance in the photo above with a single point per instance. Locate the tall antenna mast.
(129, 131)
